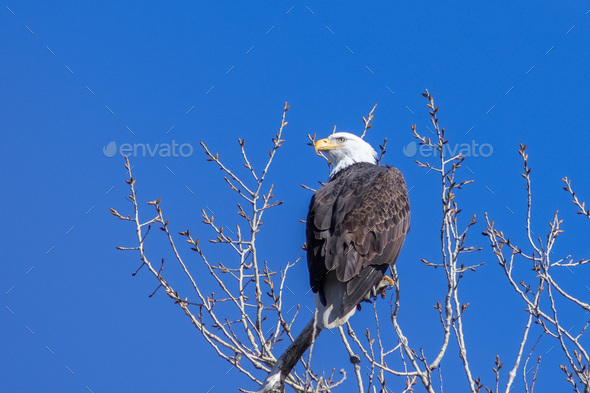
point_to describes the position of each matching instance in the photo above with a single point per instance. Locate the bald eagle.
(356, 226)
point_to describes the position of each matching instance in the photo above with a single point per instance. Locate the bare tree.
(244, 323)
(541, 284)
(244, 320)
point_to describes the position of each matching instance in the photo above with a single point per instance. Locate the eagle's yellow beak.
(325, 145)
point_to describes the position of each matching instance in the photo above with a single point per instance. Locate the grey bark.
(275, 380)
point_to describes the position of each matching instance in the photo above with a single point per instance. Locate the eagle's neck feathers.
(346, 162)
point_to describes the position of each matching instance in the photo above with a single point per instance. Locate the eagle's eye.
(341, 139)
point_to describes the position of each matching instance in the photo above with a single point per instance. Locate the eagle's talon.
(389, 280)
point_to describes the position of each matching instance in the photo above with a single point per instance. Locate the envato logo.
(163, 150)
(465, 149)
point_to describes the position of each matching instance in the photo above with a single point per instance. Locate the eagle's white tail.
(330, 315)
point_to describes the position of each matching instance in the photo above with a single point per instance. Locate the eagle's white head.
(345, 149)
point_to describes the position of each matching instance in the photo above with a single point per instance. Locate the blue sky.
(78, 76)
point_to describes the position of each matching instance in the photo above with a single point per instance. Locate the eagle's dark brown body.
(356, 226)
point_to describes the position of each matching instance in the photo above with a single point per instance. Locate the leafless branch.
(245, 336)
(540, 257)
(367, 121)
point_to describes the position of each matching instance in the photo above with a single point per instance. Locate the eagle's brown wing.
(356, 227)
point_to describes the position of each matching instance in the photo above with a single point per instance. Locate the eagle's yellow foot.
(385, 282)
(379, 289)
(389, 280)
